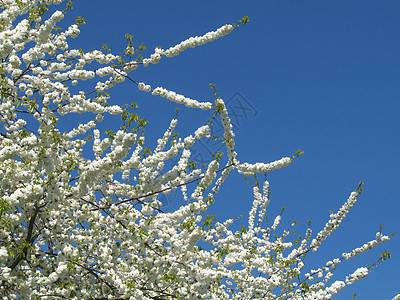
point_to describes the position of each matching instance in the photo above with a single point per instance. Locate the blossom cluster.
(80, 209)
(180, 99)
(250, 169)
(191, 42)
(197, 41)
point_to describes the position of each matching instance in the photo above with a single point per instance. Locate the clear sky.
(321, 76)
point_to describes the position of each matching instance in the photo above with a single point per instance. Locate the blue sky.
(321, 76)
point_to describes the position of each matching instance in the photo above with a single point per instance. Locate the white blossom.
(81, 208)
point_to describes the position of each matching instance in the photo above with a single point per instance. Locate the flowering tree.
(79, 226)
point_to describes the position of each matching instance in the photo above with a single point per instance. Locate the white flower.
(357, 275)
(99, 118)
(3, 253)
(147, 88)
(276, 222)
(203, 131)
(114, 109)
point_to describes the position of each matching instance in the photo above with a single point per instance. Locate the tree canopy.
(80, 209)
